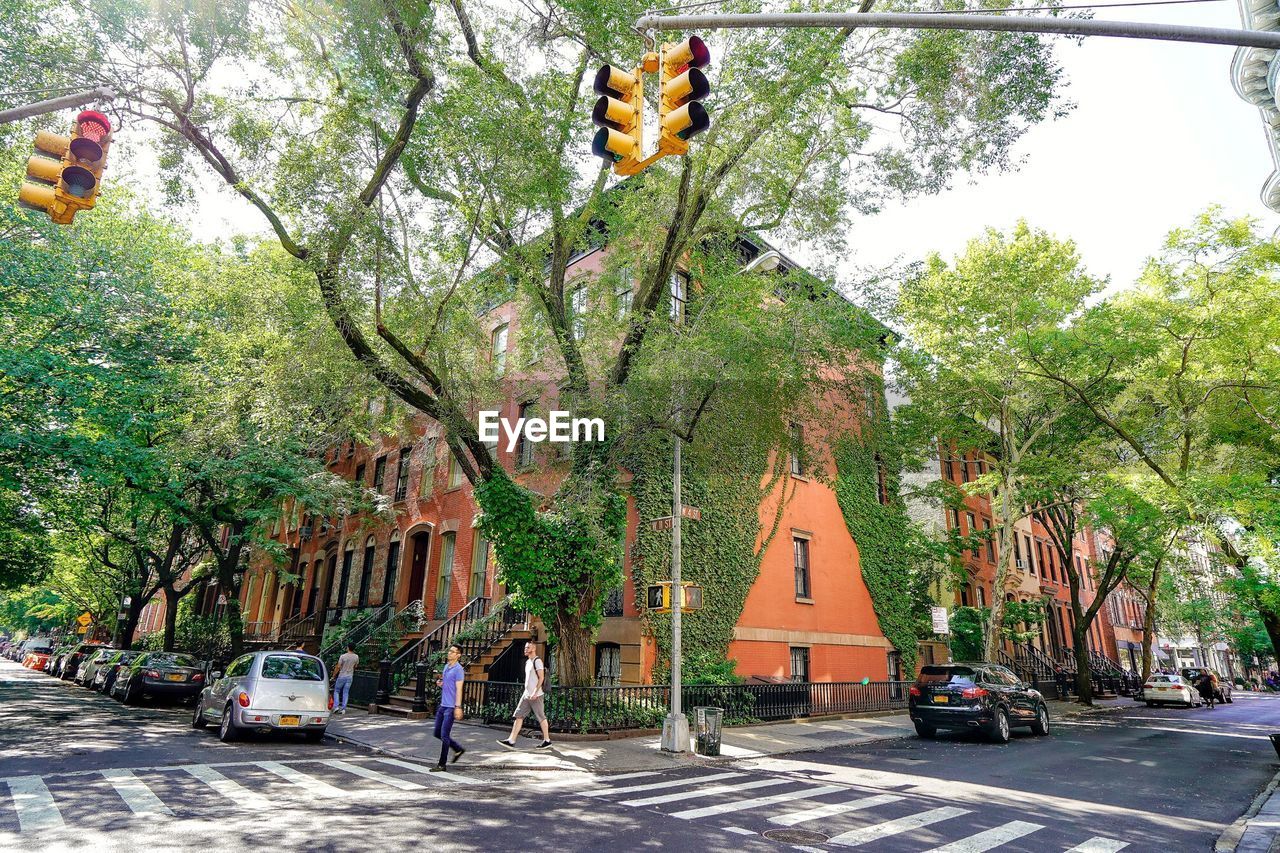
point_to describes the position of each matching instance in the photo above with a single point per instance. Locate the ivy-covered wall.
(718, 551)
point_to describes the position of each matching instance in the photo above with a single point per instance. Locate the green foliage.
(968, 624)
(202, 637)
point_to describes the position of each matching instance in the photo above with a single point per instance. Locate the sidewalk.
(412, 740)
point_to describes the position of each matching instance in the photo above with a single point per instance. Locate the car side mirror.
(215, 675)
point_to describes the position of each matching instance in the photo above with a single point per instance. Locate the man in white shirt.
(342, 681)
(535, 681)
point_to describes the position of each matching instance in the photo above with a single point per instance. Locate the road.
(79, 771)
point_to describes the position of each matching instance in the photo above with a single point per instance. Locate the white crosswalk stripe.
(439, 774)
(670, 783)
(366, 773)
(1099, 844)
(136, 795)
(229, 788)
(758, 802)
(832, 809)
(34, 804)
(706, 792)
(991, 838)
(867, 834)
(310, 784)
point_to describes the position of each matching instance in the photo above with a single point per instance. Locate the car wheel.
(1041, 725)
(999, 731)
(925, 730)
(132, 694)
(197, 719)
(227, 729)
(317, 736)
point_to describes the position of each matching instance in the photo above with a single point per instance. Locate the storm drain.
(795, 836)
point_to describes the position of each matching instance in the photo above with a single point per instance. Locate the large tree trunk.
(1149, 621)
(171, 599)
(1271, 621)
(991, 641)
(1084, 666)
(573, 650)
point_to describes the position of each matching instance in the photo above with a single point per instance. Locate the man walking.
(342, 681)
(535, 681)
(450, 709)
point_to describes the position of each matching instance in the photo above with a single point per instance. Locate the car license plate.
(941, 700)
(290, 720)
(176, 676)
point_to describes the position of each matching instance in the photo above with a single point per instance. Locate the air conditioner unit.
(304, 532)
(1021, 564)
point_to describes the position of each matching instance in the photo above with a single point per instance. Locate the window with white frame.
(498, 354)
(679, 297)
(578, 311)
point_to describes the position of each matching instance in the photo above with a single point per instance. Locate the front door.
(418, 566)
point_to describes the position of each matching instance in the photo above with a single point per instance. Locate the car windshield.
(166, 659)
(125, 657)
(292, 667)
(960, 675)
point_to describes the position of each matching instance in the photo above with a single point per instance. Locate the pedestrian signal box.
(658, 597)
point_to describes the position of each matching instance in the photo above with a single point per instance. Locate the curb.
(1230, 837)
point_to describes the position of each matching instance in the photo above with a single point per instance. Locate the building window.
(366, 572)
(379, 473)
(351, 448)
(679, 297)
(578, 311)
(455, 472)
(479, 565)
(608, 664)
(948, 468)
(954, 515)
(427, 481)
(799, 663)
(801, 548)
(359, 479)
(402, 474)
(625, 292)
(524, 447)
(393, 568)
(964, 595)
(972, 529)
(1031, 563)
(991, 543)
(981, 595)
(797, 450)
(498, 352)
(344, 580)
(964, 469)
(613, 602)
(444, 580)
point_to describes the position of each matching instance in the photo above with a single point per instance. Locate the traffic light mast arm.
(950, 21)
(53, 105)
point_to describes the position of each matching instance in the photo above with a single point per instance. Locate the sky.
(1157, 135)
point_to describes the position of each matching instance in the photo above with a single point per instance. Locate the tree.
(404, 148)
(968, 377)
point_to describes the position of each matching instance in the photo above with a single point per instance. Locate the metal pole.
(944, 21)
(102, 93)
(675, 730)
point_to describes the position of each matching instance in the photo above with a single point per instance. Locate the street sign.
(84, 618)
(941, 625)
(222, 600)
(691, 512)
(663, 523)
(128, 599)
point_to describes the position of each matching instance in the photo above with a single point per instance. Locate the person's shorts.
(534, 705)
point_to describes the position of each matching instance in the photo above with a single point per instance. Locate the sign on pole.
(663, 523)
(941, 624)
(690, 512)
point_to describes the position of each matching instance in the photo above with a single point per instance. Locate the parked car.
(1222, 695)
(265, 691)
(36, 653)
(1163, 689)
(89, 666)
(161, 674)
(105, 678)
(980, 696)
(70, 658)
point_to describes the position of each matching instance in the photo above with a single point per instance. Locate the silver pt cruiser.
(264, 691)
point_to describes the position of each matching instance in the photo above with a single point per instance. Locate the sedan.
(975, 696)
(105, 678)
(167, 674)
(89, 666)
(266, 691)
(70, 663)
(1169, 690)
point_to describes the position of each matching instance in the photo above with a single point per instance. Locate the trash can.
(706, 727)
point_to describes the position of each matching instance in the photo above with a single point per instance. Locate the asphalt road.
(79, 771)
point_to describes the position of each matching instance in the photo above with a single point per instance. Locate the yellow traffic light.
(680, 116)
(66, 171)
(658, 597)
(619, 113)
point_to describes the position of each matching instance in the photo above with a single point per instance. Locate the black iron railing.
(601, 709)
(403, 664)
(357, 633)
(298, 629)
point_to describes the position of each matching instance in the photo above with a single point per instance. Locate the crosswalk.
(734, 801)
(37, 804)
(850, 817)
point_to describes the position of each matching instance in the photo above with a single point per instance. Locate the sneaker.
(436, 768)
(457, 753)
(546, 744)
(508, 744)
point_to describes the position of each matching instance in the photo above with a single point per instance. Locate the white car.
(1169, 690)
(264, 691)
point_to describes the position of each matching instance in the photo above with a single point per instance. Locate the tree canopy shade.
(396, 149)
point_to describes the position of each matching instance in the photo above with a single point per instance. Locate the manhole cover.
(795, 836)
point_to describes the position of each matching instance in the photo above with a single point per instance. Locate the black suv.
(979, 696)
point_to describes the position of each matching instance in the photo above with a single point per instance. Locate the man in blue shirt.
(450, 684)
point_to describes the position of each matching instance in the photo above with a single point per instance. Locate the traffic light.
(658, 597)
(680, 116)
(619, 114)
(65, 171)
